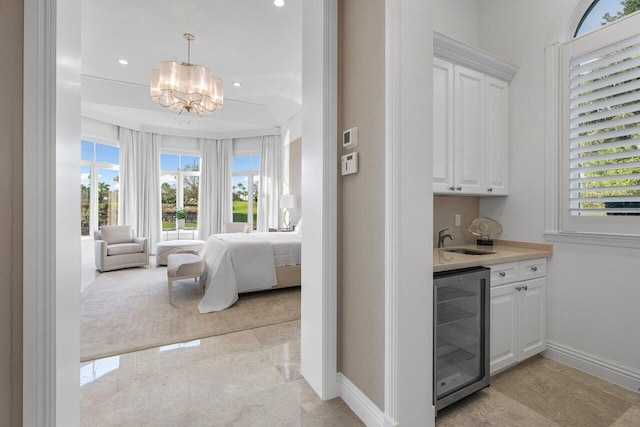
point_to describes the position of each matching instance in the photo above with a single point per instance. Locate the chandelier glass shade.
(186, 87)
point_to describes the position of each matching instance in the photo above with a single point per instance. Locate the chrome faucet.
(442, 236)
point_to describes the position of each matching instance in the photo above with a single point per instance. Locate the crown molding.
(451, 50)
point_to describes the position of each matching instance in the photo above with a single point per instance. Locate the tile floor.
(247, 378)
(541, 392)
(252, 378)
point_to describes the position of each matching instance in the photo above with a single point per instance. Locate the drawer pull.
(534, 268)
(459, 188)
(452, 188)
(502, 274)
(524, 288)
(518, 288)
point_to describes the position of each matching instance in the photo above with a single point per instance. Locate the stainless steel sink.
(468, 251)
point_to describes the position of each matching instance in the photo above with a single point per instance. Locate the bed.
(248, 262)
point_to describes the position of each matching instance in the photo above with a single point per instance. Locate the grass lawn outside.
(240, 212)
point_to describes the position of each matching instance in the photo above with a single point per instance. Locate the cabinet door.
(469, 147)
(533, 317)
(442, 126)
(504, 326)
(496, 136)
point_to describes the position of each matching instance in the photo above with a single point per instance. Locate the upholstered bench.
(164, 249)
(183, 265)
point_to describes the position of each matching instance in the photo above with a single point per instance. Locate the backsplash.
(444, 210)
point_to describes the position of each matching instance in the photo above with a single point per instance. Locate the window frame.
(180, 174)
(605, 36)
(94, 166)
(251, 175)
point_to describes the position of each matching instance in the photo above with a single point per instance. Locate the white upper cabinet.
(442, 125)
(496, 136)
(468, 131)
(470, 120)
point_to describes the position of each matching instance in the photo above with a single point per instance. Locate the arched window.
(602, 12)
(600, 122)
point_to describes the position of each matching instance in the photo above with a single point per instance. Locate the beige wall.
(444, 210)
(295, 177)
(11, 34)
(361, 197)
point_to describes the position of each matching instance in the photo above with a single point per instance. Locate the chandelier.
(186, 87)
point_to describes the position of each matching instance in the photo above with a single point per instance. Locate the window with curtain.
(601, 129)
(179, 187)
(246, 175)
(99, 186)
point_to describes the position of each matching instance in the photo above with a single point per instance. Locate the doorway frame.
(51, 132)
(51, 278)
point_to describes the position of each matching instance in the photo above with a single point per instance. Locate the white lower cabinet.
(518, 313)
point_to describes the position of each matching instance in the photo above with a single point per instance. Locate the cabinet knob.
(534, 268)
(518, 288)
(459, 188)
(489, 189)
(452, 188)
(524, 288)
(502, 274)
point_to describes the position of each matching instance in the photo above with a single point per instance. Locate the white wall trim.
(571, 24)
(51, 277)
(552, 137)
(330, 189)
(359, 403)
(38, 397)
(187, 133)
(392, 40)
(319, 196)
(594, 239)
(408, 221)
(602, 368)
(459, 53)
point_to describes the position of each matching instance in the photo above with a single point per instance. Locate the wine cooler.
(461, 334)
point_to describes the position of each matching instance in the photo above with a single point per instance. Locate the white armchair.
(117, 247)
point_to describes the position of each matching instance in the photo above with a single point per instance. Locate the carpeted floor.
(129, 310)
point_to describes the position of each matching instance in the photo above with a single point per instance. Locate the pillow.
(298, 227)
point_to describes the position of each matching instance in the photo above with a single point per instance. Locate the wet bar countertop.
(505, 251)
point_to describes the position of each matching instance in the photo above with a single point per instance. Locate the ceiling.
(248, 41)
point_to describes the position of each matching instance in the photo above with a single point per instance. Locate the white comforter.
(241, 262)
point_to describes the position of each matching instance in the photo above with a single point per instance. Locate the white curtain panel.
(270, 183)
(149, 218)
(140, 203)
(127, 206)
(215, 204)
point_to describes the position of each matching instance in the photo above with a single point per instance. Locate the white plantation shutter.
(602, 126)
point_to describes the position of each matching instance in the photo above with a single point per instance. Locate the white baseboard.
(359, 403)
(602, 368)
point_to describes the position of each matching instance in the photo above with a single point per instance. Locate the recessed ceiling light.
(123, 61)
(237, 84)
(278, 3)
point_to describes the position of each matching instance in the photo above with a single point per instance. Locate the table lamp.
(287, 201)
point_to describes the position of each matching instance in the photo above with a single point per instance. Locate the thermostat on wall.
(350, 138)
(350, 163)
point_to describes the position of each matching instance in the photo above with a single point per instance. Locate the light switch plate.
(350, 163)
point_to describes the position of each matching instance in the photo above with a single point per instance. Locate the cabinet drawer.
(533, 268)
(502, 274)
